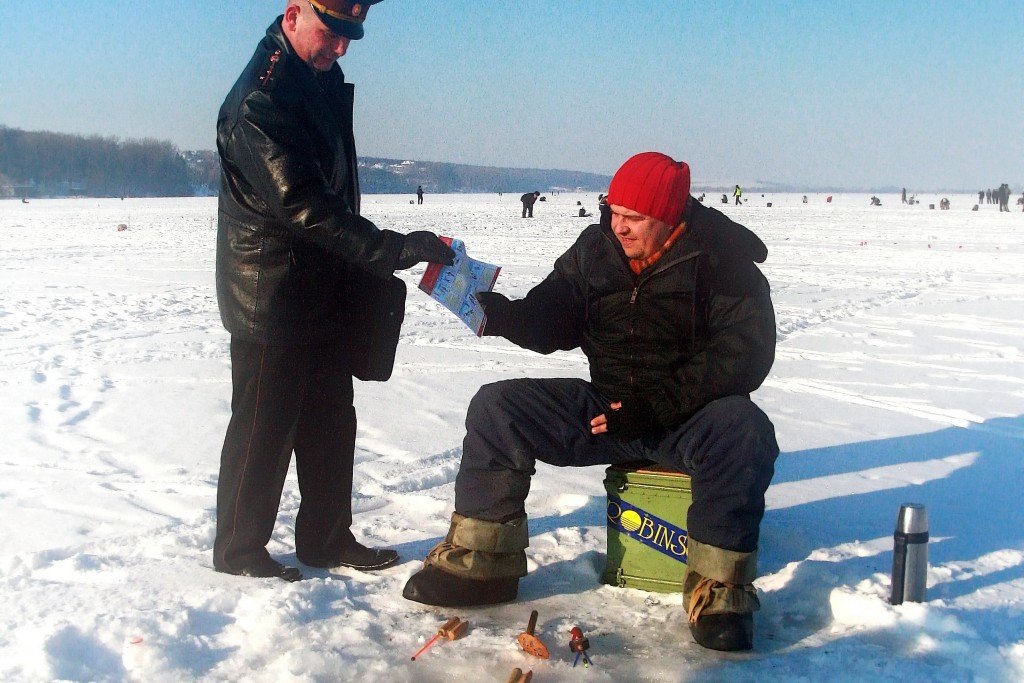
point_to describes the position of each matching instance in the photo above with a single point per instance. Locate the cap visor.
(348, 29)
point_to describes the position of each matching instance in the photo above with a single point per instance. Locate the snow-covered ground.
(900, 377)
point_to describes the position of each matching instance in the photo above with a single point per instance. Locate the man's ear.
(291, 17)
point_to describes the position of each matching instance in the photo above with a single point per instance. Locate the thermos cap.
(913, 519)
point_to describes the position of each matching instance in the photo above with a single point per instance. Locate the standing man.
(676, 321)
(528, 200)
(419, 194)
(303, 283)
(737, 193)
(1004, 197)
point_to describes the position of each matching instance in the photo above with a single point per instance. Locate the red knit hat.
(653, 184)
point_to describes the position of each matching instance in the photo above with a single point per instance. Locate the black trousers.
(285, 398)
(527, 210)
(728, 448)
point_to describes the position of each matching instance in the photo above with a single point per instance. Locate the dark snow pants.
(728, 448)
(285, 398)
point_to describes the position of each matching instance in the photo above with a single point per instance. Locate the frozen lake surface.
(899, 377)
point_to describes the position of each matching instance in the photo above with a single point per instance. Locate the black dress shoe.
(266, 568)
(726, 632)
(356, 556)
(431, 586)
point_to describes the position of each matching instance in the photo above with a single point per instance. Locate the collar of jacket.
(308, 78)
(683, 249)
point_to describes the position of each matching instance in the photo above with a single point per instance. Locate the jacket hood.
(717, 232)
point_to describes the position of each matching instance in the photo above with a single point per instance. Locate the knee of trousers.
(490, 401)
(738, 421)
(492, 413)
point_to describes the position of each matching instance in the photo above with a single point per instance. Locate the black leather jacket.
(291, 245)
(696, 326)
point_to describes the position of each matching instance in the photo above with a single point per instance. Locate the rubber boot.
(478, 563)
(720, 598)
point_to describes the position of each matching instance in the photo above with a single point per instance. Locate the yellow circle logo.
(630, 520)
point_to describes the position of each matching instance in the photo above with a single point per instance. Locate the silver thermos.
(910, 555)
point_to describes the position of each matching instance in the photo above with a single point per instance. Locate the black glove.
(496, 307)
(633, 419)
(424, 245)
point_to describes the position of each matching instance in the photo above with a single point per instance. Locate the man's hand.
(421, 246)
(626, 420)
(495, 308)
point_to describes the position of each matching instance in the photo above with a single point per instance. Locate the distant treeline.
(45, 164)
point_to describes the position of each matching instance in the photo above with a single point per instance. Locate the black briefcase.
(376, 309)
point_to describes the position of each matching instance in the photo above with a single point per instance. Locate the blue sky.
(924, 94)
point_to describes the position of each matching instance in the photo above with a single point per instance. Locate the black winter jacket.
(696, 326)
(291, 245)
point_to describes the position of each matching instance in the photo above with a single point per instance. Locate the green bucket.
(647, 539)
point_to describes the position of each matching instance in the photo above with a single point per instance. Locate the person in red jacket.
(664, 298)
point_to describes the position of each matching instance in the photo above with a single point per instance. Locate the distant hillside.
(47, 164)
(394, 176)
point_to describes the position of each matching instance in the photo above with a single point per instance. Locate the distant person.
(528, 200)
(419, 194)
(904, 195)
(805, 199)
(875, 201)
(725, 199)
(1004, 197)
(943, 204)
(981, 196)
(988, 196)
(299, 276)
(737, 193)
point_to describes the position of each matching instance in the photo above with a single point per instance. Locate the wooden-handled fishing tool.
(451, 629)
(530, 642)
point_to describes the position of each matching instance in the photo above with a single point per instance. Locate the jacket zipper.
(632, 332)
(640, 280)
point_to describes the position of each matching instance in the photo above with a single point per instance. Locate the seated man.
(676, 320)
